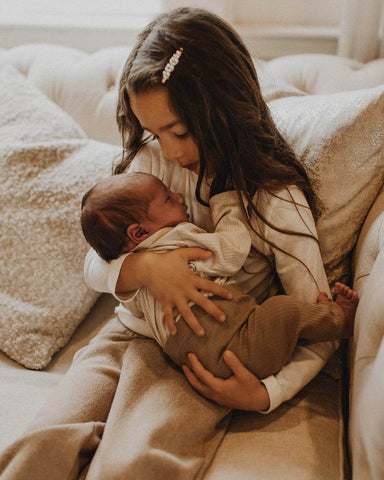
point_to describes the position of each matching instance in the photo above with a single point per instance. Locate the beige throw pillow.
(340, 139)
(47, 164)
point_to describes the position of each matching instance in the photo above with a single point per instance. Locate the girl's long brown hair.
(215, 92)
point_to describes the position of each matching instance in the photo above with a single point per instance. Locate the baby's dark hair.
(109, 207)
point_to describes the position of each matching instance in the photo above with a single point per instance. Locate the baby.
(133, 212)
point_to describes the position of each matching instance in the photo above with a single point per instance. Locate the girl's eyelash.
(180, 137)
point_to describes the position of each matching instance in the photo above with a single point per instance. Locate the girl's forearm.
(306, 363)
(132, 273)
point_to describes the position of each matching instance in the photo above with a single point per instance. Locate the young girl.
(122, 409)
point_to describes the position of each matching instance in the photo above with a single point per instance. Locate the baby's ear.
(137, 233)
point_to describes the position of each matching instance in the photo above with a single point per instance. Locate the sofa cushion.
(340, 139)
(47, 163)
(370, 243)
(291, 442)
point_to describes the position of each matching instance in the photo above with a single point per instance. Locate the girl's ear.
(137, 233)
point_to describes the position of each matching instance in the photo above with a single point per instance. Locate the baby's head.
(121, 211)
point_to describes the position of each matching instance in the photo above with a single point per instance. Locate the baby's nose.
(179, 197)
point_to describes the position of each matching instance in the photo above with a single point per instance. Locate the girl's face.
(153, 111)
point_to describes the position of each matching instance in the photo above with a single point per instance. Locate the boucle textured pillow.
(47, 164)
(340, 139)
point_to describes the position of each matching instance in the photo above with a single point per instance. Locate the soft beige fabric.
(85, 84)
(371, 241)
(367, 383)
(325, 74)
(119, 407)
(82, 84)
(271, 86)
(23, 392)
(301, 440)
(47, 163)
(366, 433)
(340, 139)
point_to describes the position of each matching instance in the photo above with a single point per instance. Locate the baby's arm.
(231, 241)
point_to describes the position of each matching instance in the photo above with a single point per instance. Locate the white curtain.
(361, 29)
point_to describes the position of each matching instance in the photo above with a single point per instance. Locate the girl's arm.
(101, 275)
(296, 279)
(302, 275)
(244, 391)
(166, 275)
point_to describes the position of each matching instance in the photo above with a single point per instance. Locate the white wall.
(321, 13)
(270, 27)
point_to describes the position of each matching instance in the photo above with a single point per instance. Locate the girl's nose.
(170, 151)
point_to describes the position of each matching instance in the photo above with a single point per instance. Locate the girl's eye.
(181, 136)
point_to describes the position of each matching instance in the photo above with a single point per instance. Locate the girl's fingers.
(194, 381)
(236, 366)
(169, 320)
(215, 288)
(201, 373)
(191, 320)
(188, 316)
(207, 305)
(195, 253)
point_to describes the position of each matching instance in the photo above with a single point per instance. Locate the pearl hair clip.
(173, 61)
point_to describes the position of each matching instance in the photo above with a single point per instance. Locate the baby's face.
(166, 209)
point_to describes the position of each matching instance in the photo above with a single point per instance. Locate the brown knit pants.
(262, 336)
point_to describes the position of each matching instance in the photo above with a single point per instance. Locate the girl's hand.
(242, 391)
(170, 280)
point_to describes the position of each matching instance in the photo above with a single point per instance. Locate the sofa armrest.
(366, 431)
(370, 242)
(366, 428)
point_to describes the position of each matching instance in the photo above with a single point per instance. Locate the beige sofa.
(327, 431)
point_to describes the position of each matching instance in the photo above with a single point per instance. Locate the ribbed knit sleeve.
(300, 268)
(231, 241)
